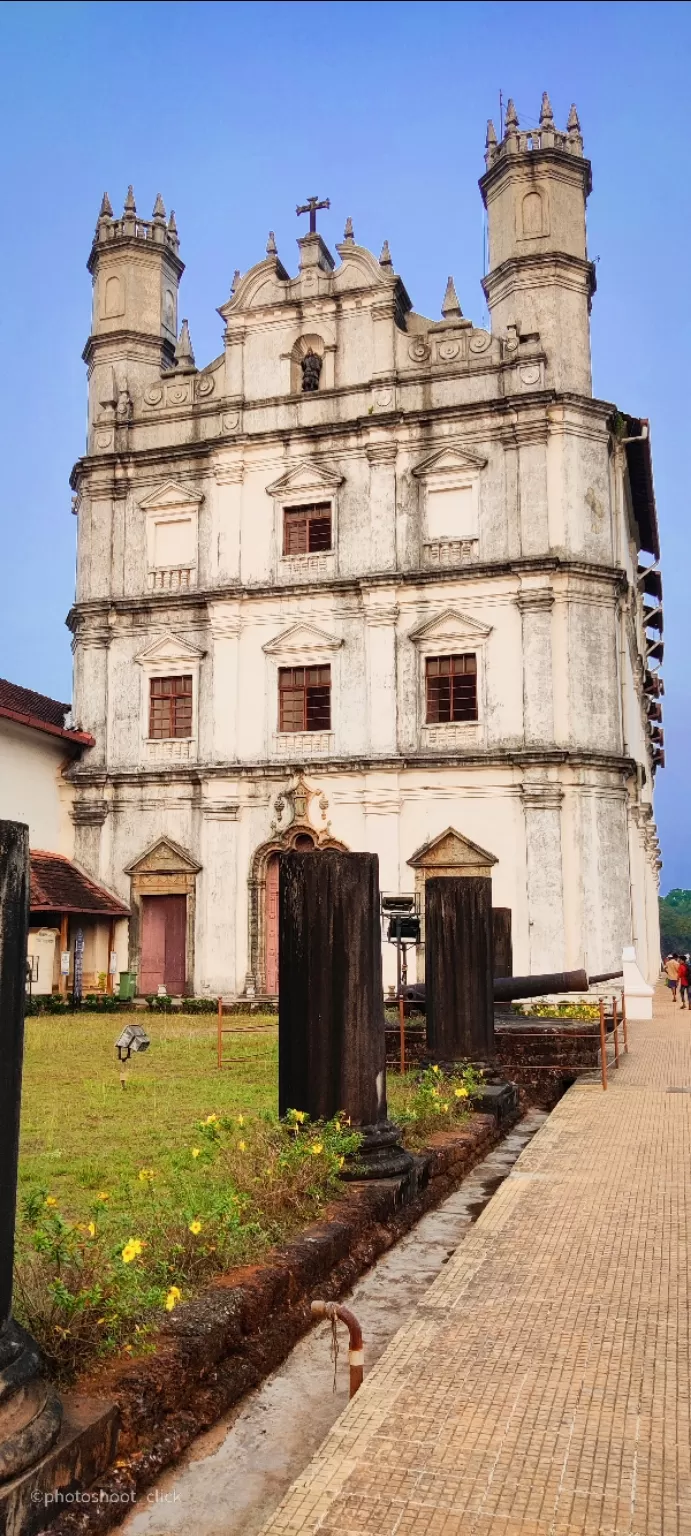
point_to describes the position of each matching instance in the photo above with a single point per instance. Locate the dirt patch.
(212, 1350)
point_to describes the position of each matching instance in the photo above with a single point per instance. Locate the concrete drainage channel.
(232, 1478)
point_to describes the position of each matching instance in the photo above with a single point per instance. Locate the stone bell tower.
(540, 279)
(136, 270)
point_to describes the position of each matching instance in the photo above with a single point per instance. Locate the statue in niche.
(311, 366)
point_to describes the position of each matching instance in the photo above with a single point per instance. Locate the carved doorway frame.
(298, 800)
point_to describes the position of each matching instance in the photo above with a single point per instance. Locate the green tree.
(675, 921)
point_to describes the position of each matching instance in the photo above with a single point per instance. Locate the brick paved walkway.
(543, 1386)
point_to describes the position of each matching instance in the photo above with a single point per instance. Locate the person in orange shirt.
(672, 974)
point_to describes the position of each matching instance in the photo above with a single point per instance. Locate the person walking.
(672, 974)
(683, 981)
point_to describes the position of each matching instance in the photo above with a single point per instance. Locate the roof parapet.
(517, 141)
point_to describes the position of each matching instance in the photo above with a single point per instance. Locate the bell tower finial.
(540, 281)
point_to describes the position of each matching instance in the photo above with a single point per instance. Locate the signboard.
(65, 963)
(78, 966)
(113, 963)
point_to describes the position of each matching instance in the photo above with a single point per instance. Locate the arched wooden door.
(272, 925)
(302, 844)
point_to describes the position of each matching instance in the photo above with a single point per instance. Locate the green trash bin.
(128, 986)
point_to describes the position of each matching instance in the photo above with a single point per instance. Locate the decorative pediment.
(452, 458)
(264, 283)
(451, 626)
(171, 497)
(169, 648)
(309, 475)
(164, 856)
(301, 639)
(451, 853)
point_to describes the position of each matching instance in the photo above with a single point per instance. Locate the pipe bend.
(331, 1309)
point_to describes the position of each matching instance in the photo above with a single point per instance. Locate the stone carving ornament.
(480, 341)
(419, 352)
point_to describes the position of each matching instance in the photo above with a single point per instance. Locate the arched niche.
(300, 837)
(311, 342)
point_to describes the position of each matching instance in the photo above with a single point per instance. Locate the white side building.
(365, 578)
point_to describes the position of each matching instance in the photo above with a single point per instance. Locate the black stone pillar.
(331, 1046)
(503, 945)
(459, 968)
(30, 1412)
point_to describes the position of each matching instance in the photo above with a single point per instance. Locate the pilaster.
(224, 619)
(381, 613)
(535, 606)
(542, 802)
(382, 461)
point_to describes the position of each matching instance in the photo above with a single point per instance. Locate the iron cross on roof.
(311, 207)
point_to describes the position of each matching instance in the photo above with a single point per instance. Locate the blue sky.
(235, 112)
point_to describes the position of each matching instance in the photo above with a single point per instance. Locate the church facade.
(371, 581)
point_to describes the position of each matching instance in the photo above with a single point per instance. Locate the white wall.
(32, 788)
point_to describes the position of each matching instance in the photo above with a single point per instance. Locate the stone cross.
(459, 966)
(311, 207)
(331, 1044)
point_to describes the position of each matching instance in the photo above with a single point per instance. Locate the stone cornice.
(490, 413)
(519, 757)
(198, 599)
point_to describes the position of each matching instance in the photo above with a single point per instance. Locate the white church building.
(367, 580)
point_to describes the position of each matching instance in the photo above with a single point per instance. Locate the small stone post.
(30, 1412)
(459, 968)
(331, 1045)
(503, 946)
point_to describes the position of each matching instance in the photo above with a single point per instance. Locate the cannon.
(508, 989)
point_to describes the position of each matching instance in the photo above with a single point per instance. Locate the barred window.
(304, 699)
(170, 707)
(307, 530)
(451, 684)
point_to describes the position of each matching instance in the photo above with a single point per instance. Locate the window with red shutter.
(304, 699)
(170, 707)
(451, 687)
(307, 530)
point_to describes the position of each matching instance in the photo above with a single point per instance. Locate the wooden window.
(304, 699)
(451, 688)
(307, 530)
(170, 707)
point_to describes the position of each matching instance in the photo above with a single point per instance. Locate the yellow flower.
(195, 1227)
(131, 1250)
(445, 1108)
(461, 1093)
(91, 1229)
(146, 1175)
(173, 1297)
(341, 1161)
(103, 1195)
(241, 1146)
(316, 1148)
(50, 1200)
(241, 1119)
(196, 1151)
(436, 1069)
(211, 1119)
(298, 1116)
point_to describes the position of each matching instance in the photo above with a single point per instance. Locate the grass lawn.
(131, 1199)
(81, 1130)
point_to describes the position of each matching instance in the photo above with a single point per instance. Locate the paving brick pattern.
(543, 1386)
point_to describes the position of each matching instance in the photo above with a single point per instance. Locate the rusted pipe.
(603, 1045)
(356, 1352)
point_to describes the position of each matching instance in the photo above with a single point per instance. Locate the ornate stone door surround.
(448, 854)
(292, 806)
(164, 870)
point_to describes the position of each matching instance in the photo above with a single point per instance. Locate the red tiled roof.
(38, 711)
(58, 886)
(24, 701)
